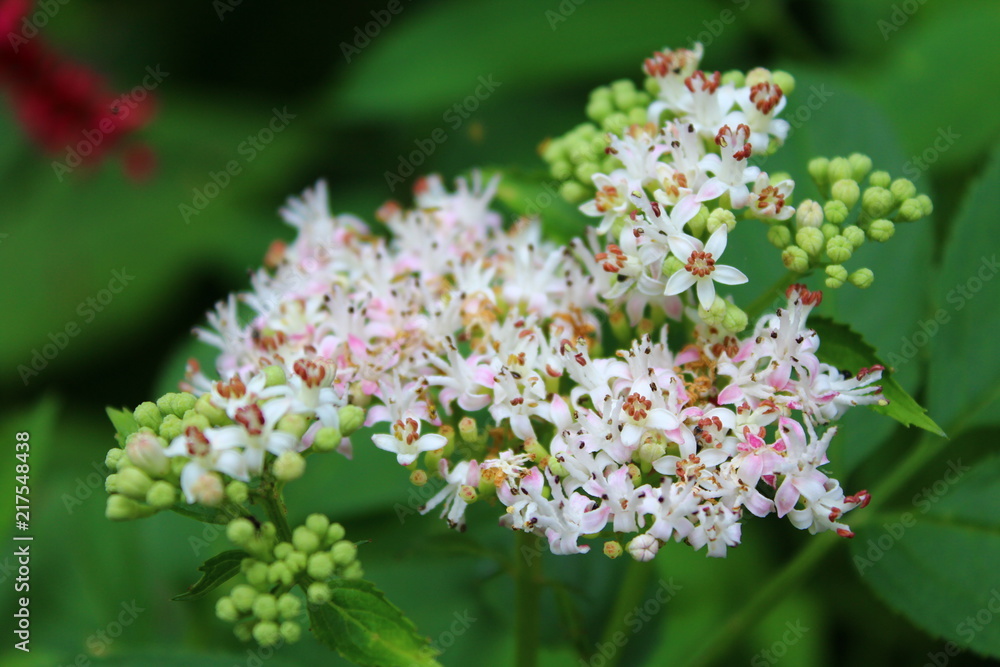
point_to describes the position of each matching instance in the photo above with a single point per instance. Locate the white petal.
(679, 282)
(706, 293)
(728, 275)
(717, 242)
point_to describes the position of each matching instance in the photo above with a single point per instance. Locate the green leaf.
(964, 380)
(847, 350)
(124, 423)
(536, 194)
(936, 563)
(217, 570)
(367, 629)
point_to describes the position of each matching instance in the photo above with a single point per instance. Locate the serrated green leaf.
(936, 563)
(217, 570)
(964, 379)
(124, 423)
(846, 349)
(364, 627)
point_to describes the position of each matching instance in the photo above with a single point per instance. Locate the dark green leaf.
(964, 383)
(217, 570)
(847, 350)
(936, 563)
(124, 423)
(365, 628)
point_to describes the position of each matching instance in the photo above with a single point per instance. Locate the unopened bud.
(353, 571)
(779, 236)
(854, 234)
(810, 239)
(351, 419)
(881, 230)
(267, 633)
(643, 547)
(278, 573)
(880, 179)
(468, 429)
(334, 534)
(171, 427)
(839, 170)
(720, 217)
(305, 540)
(877, 202)
(613, 549)
(320, 566)
(208, 490)
(318, 593)
(225, 610)
(735, 320)
(148, 415)
(860, 165)
(290, 631)
(809, 214)
(237, 491)
(839, 249)
(145, 451)
(215, 416)
(161, 495)
(795, 259)
(862, 278)
(910, 211)
(835, 211)
(836, 275)
(239, 531)
(784, 80)
(289, 606)
(715, 313)
(289, 466)
(902, 189)
(344, 552)
(847, 191)
(293, 424)
(265, 607)
(176, 403)
(819, 169)
(133, 483)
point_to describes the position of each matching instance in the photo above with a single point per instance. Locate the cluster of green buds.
(580, 153)
(265, 608)
(827, 235)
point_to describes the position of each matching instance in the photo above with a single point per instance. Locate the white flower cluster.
(456, 316)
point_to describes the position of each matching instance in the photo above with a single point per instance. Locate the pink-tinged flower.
(670, 69)
(611, 202)
(708, 102)
(636, 415)
(760, 105)
(768, 201)
(460, 485)
(205, 457)
(406, 442)
(575, 516)
(718, 527)
(822, 512)
(700, 267)
(731, 170)
(639, 149)
(671, 506)
(466, 380)
(622, 498)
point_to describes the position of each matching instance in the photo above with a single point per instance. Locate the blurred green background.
(897, 75)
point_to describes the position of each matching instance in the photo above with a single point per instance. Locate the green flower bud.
(214, 415)
(296, 561)
(344, 552)
(256, 575)
(282, 550)
(240, 531)
(615, 124)
(624, 94)
(161, 495)
(819, 168)
(847, 191)
(573, 192)
(419, 477)
(585, 171)
(720, 217)
(193, 418)
(715, 313)
(810, 239)
(111, 483)
(243, 631)
(237, 491)
(758, 75)
(835, 212)
(148, 415)
(176, 403)
(265, 607)
(274, 376)
(735, 77)
(468, 493)
(880, 179)
(133, 483)
(225, 610)
(877, 202)
(671, 265)
(305, 540)
(289, 466)
(910, 211)
(925, 203)
(351, 419)
(243, 596)
(860, 166)
(836, 275)
(809, 214)
(268, 530)
(290, 631)
(784, 80)
(208, 490)
(267, 633)
(353, 571)
(862, 278)
(902, 189)
(171, 427)
(318, 524)
(122, 508)
(735, 320)
(327, 439)
(698, 223)
(613, 549)
(839, 249)
(561, 170)
(648, 452)
(779, 236)
(334, 533)
(177, 464)
(112, 457)
(320, 566)
(599, 108)
(839, 170)
(855, 235)
(468, 429)
(318, 593)
(795, 259)
(829, 230)
(278, 573)
(145, 451)
(637, 115)
(289, 606)
(881, 230)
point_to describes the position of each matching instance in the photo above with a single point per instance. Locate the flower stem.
(633, 586)
(765, 301)
(274, 508)
(528, 569)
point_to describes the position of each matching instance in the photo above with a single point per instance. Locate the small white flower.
(406, 442)
(700, 268)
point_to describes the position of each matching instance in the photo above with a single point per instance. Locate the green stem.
(765, 301)
(633, 586)
(528, 569)
(274, 508)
